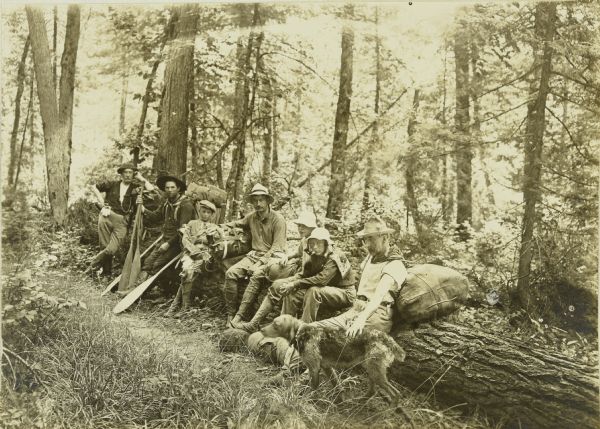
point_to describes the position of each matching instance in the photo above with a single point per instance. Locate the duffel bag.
(430, 292)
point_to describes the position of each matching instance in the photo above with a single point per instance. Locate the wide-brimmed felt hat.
(165, 177)
(374, 226)
(259, 190)
(307, 219)
(208, 205)
(126, 166)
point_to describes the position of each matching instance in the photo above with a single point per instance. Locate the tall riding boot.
(250, 295)
(185, 290)
(174, 305)
(186, 295)
(230, 293)
(263, 311)
(107, 266)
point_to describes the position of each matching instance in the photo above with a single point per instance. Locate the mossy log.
(508, 380)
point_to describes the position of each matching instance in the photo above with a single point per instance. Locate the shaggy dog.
(330, 348)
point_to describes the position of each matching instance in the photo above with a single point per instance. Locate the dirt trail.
(194, 338)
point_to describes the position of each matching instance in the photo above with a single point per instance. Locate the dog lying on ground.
(330, 349)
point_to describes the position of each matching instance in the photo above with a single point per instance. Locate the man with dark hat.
(383, 275)
(197, 236)
(175, 212)
(119, 204)
(269, 233)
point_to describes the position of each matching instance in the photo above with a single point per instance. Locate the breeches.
(112, 230)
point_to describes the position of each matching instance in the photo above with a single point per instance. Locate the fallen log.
(508, 380)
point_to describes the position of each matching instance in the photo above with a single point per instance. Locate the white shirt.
(372, 273)
(122, 191)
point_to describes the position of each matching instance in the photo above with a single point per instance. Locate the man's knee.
(313, 294)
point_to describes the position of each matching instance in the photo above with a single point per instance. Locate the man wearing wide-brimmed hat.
(174, 213)
(196, 237)
(269, 233)
(383, 274)
(119, 204)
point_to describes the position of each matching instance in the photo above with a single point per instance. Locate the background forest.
(472, 129)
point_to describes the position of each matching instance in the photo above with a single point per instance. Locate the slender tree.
(234, 184)
(172, 148)
(374, 141)
(463, 148)
(337, 183)
(57, 114)
(17, 120)
(544, 30)
(410, 170)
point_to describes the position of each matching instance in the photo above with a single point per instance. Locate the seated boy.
(197, 236)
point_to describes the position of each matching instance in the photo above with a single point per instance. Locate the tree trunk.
(461, 122)
(446, 198)
(412, 204)
(28, 120)
(234, 185)
(15, 129)
(374, 142)
(57, 121)
(179, 71)
(337, 183)
(545, 19)
(275, 150)
(54, 44)
(123, 106)
(503, 378)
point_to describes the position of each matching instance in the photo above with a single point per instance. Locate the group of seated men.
(316, 274)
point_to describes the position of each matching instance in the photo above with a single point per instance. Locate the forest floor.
(181, 361)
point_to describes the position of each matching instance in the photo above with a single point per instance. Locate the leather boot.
(186, 292)
(230, 294)
(107, 266)
(96, 263)
(174, 305)
(263, 311)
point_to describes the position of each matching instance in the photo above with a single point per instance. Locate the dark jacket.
(111, 188)
(174, 216)
(331, 269)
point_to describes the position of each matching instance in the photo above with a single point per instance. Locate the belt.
(383, 304)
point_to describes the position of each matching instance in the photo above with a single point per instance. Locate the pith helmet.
(320, 234)
(307, 219)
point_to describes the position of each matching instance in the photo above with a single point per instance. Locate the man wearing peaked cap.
(119, 204)
(383, 274)
(268, 231)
